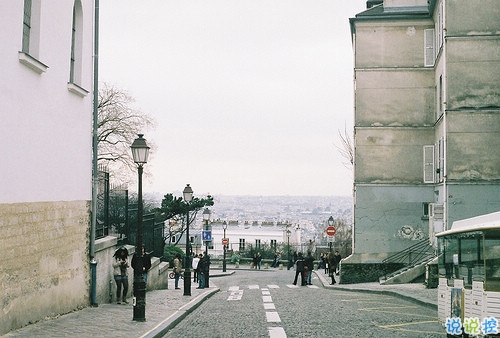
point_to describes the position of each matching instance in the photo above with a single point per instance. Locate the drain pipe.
(95, 175)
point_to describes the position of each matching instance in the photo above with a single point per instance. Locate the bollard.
(237, 265)
(281, 266)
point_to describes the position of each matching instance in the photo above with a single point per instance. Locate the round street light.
(188, 197)
(140, 153)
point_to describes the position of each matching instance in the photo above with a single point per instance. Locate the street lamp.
(224, 226)
(288, 233)
(188, 196)
(206, 218)
(330, 223)
(140, 152)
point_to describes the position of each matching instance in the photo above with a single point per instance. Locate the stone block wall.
(352, 273)
(105, 284)
(44, 269)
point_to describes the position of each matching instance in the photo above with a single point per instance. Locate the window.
(257, 243)
(273, 244)
(429, 55)
(29, 53)
(440, 161)
(26, 26)
(75, 65)
(242, 244)
(428, 164)
(425, 210)
(440, 27)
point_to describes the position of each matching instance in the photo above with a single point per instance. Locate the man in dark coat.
(299, 268)
(309, 262)
(203, 266)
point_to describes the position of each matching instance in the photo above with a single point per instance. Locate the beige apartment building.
(427, 123)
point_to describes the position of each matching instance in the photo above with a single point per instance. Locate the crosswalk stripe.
(276, 332)
(272, 317)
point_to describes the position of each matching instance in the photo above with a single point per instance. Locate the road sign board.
(206, 235)
(330, 231)
(225, 241)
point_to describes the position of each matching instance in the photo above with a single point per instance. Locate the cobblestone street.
(266, 304)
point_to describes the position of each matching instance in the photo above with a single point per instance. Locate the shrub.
(170, 252)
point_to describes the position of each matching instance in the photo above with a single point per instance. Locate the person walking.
(331, 267)
(120, 273)
(202, 271)
(309, 263)
(299, 269)
(338, 258)
(196, 259)
(276, 260)
(258, 259)
(177, 270)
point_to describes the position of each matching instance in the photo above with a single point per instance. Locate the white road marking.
(267, 299)
(273, 286)
(266, 292)
(269, 306)
(276, 332)
(253, 287)
(234, 288)
(313, 287)
(235, 295)
(291, 286)
(273, 317)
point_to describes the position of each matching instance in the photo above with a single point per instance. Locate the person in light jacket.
(120, 273)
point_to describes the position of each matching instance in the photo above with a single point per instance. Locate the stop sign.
(330, 231)
(225, 241)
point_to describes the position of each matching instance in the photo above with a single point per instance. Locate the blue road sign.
(206, 235)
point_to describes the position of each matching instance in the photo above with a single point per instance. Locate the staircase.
(415, 258)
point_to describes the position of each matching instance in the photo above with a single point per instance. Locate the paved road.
(266, 304)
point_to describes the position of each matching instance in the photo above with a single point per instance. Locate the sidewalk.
(165, 308)
(415, 292)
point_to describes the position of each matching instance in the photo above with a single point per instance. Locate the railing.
(410, 257)
(413, 255)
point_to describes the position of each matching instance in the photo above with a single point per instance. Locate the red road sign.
(225, 241)
(330, 231)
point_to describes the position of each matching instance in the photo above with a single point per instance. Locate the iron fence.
(117, 216)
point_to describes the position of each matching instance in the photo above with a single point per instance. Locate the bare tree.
(346, 148)
(118, 125)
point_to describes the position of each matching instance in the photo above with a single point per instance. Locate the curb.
(168, 323)
(326, 285)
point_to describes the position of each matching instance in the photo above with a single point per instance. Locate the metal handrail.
(414, 255)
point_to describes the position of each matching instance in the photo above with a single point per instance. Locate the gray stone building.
(427, 122)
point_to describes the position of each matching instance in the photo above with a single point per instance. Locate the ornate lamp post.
(224, 226)
(206, 219)
(140, 152)
(288, 233)
(188, 196)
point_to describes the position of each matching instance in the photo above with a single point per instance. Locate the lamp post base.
(139, 298)
(187, 282)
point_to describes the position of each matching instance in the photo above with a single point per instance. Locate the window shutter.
(429, 47)
(428, 164)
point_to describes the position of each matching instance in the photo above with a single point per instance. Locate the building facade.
(427, 121)
(46, 117)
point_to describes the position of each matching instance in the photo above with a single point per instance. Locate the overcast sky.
(249, 95)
